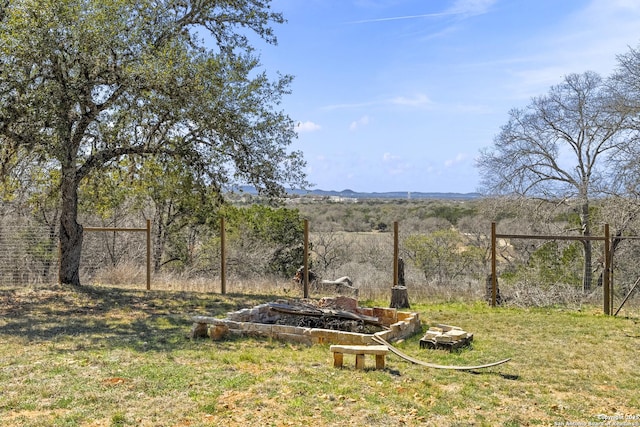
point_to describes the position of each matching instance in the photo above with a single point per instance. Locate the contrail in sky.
(396, 18)
(460, 7)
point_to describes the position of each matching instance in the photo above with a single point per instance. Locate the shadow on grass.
(513, 377)
(111, 317)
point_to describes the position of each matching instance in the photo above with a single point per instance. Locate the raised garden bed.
(328, 321)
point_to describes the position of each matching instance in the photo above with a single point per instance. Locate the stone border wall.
(258, 322)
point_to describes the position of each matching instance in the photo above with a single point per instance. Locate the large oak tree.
(559, 147)
(624, 84)
(86, 83)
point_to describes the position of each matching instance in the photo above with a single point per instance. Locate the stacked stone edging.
(259, 322)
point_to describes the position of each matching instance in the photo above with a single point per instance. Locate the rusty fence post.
(607, 271)
(395, 253)
(305, 280)
(494, 279)
(223, 258)
(148, 254)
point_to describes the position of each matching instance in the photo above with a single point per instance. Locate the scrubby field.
(113, 357)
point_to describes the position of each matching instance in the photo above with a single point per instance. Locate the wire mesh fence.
(547, 272)
(28, 254)
(569, 270)
(118, 256)
(626, 271)
(442, 264)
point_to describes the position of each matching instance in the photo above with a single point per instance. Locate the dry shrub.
(120, 275)
(372, 282)
(266, 284)
(375, 282)
(525, 294)
(456, 292)
(184, 282)
(234, 284)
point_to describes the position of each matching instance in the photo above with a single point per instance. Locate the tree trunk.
(401, 281)
(399, 297)
(586, 283)
(159, 240)
(70, 230)
(488, 291)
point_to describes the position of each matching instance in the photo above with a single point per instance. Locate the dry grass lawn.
(109, 357)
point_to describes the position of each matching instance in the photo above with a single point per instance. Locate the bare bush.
(122, 274)
(529, 294)
(331, 250)
(372, 280)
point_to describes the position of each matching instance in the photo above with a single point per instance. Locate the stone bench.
(380, 351)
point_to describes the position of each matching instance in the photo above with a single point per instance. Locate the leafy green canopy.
(278, 233)
(85, 82)
(442, 255)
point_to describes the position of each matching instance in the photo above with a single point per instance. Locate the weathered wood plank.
(360, 349)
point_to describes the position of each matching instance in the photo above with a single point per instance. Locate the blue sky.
(401, 95)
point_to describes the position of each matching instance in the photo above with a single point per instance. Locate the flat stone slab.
(446, 337)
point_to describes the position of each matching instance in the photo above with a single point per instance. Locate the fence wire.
(113, 257)
(440, 264)
(28, 254)
(548, 271)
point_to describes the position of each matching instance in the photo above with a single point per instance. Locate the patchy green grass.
(109, 357)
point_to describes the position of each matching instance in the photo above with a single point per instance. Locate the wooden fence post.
(305, 256)
(399, 294)
(494, 277)
(223, 257)
(148, 254)
(607, 270)
(395, 253)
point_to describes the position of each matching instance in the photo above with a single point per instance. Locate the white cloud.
(418, 100)
(362, 121)
(604, 29)
(415, 101)
(394, 164)
(461, 157)
(307, 126)
(388, 157)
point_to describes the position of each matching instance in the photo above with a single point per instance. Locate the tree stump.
(399, 297)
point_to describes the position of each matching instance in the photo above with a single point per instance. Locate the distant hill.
(375, 195)
(389, 194)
